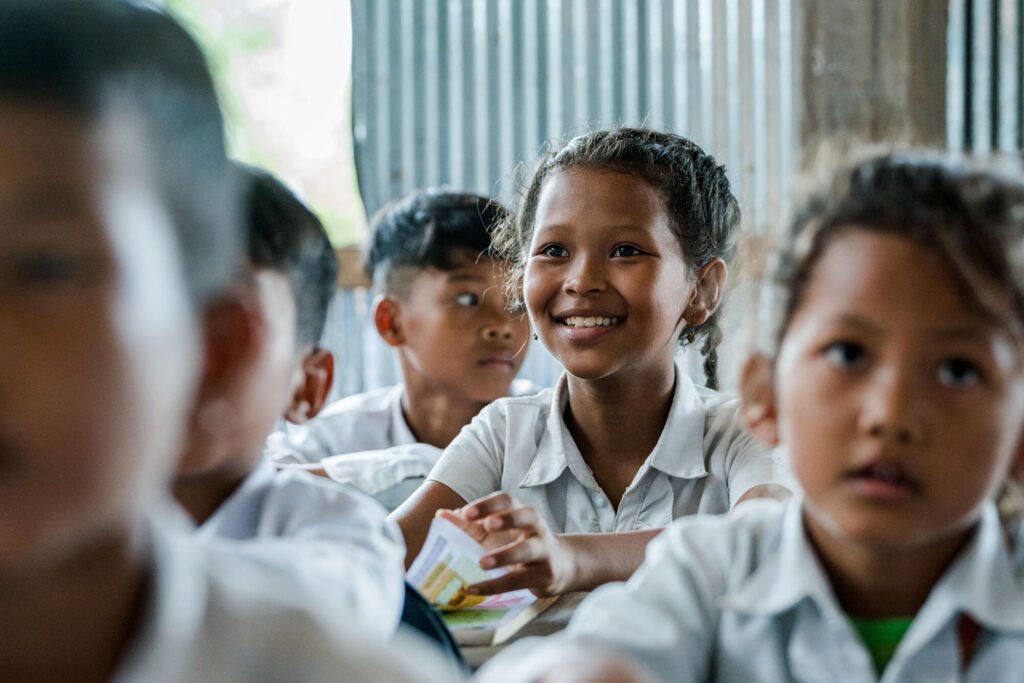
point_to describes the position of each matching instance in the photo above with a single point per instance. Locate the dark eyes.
(467, 299)
(845, 355)
(959, 373)
(555, 251)
(620, 251)
(47, 268)
(624, 250)
(955, 373)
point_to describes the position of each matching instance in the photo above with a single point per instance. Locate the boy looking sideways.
(441, 306)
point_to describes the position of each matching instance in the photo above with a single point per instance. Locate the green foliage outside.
(225, 45)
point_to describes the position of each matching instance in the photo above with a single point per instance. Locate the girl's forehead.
(897, 283)
(598, 197)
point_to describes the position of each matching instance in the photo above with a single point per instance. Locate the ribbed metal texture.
(985, 97)
(462, 93)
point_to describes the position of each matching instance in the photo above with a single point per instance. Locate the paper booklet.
(449, 563)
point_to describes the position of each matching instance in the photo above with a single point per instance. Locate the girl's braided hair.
(698, 200)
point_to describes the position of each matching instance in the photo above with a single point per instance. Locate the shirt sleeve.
(663, 619)
(748, 461)
(375, 471)
(472, 464)
(296, 444)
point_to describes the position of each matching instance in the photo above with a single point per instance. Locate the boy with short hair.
(118, 235)
(441, 305)
(334, 540)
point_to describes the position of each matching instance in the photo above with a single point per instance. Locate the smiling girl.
(621, 243)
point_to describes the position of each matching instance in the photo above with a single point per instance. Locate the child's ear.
(311, 395)
(232, 334)
(757, 399)
(707, 295)
(387, 315)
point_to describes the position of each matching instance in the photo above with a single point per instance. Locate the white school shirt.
(744, 598)
(703, 462)
(216, 615)
(333, 540)
(364, 441)
(372, 421)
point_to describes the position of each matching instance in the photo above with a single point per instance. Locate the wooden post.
(872, 71)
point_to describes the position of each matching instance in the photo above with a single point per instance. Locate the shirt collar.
(549, 458)
(680, 448)
(237, 512)
(787, 576)
(981, 582)
(679, 451)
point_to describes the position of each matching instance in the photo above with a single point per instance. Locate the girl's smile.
(606, 284)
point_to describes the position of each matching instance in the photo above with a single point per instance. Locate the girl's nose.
(495, 331)
(889, 413)
(585, 277)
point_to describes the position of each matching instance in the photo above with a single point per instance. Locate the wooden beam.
(350, 268)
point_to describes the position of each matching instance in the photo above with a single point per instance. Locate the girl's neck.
(874, 583)
(435, 416)
(616, 423)
(73, 623)
(201, 495)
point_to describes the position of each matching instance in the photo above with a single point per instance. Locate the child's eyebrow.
(958, 332)
(630, 227)
(54, 201)
(967, 334)
(465, 277)
(857, 321)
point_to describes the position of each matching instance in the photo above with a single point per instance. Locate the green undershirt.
(881, 637)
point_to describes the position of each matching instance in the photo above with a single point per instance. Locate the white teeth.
(580, 321)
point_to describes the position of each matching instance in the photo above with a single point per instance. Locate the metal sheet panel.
(464, 93)
(985, 75)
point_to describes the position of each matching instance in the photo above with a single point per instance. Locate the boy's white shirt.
(333, 540)
(372, 421)
(743, 597)
(703, 462)
(363, 441)
(216, 615)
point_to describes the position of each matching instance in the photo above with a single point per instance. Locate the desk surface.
(551, 620)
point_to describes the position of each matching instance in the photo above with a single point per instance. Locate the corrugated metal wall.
(462, 92)
(985, 97)
(457, 92)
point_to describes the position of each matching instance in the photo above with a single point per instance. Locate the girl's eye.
(845, 355)
(624, 250)
(959, 373)
(555, 251)
(48, 268)
(467, 299)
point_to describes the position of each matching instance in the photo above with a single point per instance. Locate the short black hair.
(97, 58)
(429, 229)
(285, 236)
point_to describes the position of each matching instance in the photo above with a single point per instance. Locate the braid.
(712, 338)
